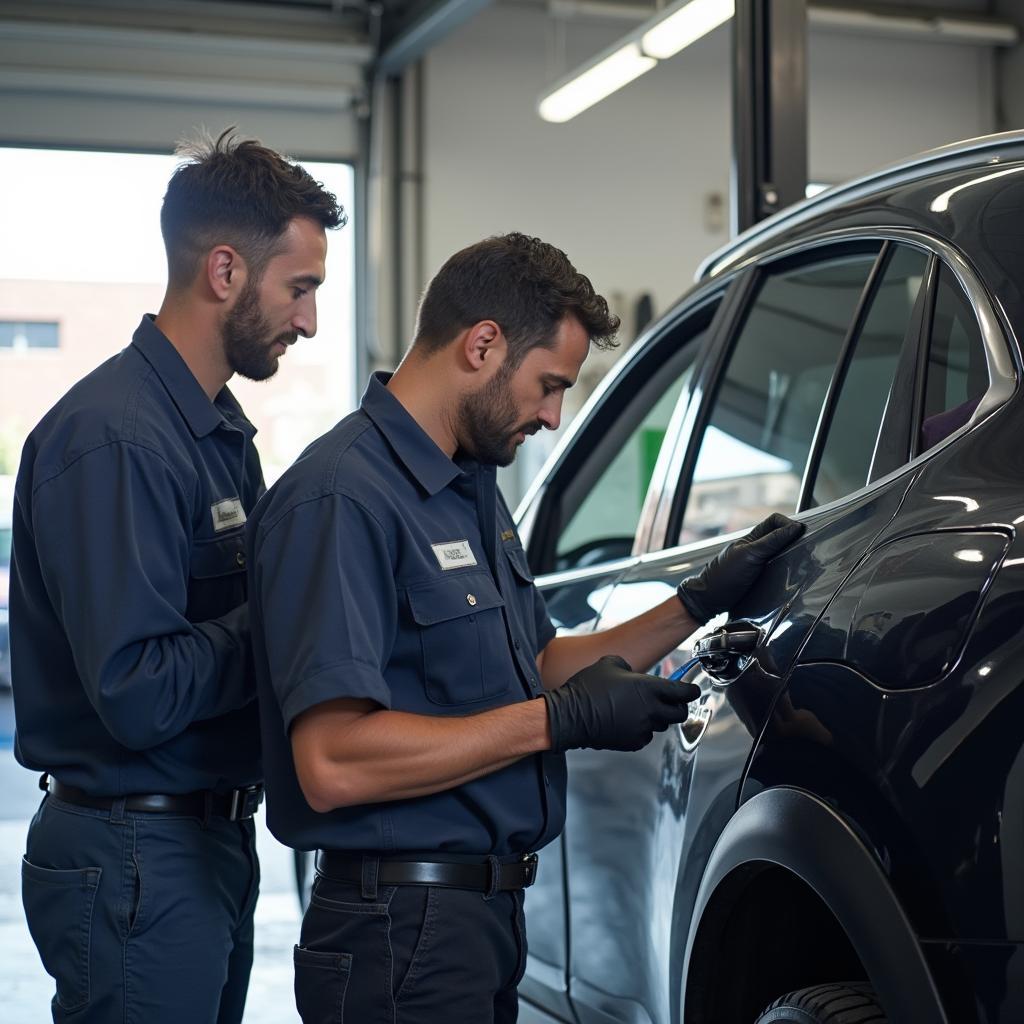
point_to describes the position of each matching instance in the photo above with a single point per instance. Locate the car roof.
(985, 151)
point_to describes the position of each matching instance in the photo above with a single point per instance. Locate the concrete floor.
(26, 989)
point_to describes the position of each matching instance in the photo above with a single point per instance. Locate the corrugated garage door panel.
(121, 77)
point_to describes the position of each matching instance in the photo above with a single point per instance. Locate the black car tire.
(847, 1003)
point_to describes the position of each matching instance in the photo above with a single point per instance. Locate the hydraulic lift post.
(769, 75)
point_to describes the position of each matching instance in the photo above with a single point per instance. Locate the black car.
(838, 830)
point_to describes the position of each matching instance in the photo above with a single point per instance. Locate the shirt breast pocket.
(520, 567)
(217, 580)
(462, 638)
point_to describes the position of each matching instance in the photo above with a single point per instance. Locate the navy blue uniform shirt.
(129, 626)
(383, 569)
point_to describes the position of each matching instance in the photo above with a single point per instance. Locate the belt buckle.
(244, 802)
(529, 869)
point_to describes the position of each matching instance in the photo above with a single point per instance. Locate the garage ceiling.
(135, 73)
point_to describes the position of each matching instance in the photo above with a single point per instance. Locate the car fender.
(794, 830)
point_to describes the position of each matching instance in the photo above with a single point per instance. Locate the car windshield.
(5, 546)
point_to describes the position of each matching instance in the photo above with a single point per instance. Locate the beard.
(249, 339)
(488, 424)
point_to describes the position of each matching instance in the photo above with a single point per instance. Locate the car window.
(845, 461)
(957, 373)
(5, 545)
(755, 445)
(601, 518)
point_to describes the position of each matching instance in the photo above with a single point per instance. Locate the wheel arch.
(790, 829)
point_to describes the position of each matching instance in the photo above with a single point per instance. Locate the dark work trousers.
(141, 918)
(411, 954)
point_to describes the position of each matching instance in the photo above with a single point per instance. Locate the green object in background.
(651, 439)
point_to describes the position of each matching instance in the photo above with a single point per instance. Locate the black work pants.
(141, 918)
(409, 954)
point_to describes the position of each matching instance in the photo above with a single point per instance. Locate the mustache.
(288, 338)
(531, 428)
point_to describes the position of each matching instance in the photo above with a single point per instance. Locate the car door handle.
(725, 653)
(692, 730)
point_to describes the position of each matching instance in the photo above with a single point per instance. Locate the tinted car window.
(755, 446)
(957, 375)
(605, 519)
(850, 443)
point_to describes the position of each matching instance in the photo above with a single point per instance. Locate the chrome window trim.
(616, 568)
(998, 343)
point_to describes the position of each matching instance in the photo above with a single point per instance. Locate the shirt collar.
(201, 415)
(431, 468)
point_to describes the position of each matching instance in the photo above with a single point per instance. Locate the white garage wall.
(621, 188)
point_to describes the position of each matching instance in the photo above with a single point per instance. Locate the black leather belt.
(235, 806)
(478, 876)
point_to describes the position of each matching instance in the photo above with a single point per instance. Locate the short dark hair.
(236, 191)
(524, 285)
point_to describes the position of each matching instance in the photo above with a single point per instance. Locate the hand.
(723, 582)
(608, 706)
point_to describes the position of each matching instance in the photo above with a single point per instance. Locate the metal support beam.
(426, 26)
(769, 169)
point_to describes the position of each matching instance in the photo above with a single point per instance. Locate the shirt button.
(471, 600)
(240, 557)
(547, 781)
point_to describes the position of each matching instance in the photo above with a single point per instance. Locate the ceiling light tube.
(678, 29)
(599, 80)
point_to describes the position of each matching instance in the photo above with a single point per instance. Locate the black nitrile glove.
(608, 706)
(722, 583)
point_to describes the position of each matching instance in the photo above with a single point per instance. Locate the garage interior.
(430, 114)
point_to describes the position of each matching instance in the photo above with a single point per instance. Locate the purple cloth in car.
(938, 427)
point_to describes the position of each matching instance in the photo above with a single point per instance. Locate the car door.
(639, 827)
(900, 673)
(580, 525)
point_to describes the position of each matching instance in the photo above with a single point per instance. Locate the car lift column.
(769, 74)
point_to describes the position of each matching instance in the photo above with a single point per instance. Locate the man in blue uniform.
(415, 702)
(133, 686)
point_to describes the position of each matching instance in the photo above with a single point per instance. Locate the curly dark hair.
(236, 191)
(524, 285)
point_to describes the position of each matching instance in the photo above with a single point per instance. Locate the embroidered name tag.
(453, 554)
(227, 514)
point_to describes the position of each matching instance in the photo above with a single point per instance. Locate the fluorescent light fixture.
(686, 25)
(815, 188)
(598, 81)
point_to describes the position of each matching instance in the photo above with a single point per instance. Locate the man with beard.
(415, 702)
(133, 684)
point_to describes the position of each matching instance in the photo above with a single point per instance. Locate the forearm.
(642, 641)
(345, 759)
(150, 691)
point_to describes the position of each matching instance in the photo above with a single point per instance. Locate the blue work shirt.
(383, 569)
(129, 627)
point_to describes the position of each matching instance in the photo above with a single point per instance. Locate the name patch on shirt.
(227, 514)
(453, 554)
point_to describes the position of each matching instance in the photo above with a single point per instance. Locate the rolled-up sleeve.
(112, 531)
(325, 604)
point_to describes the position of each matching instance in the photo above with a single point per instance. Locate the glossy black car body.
(849, 803)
